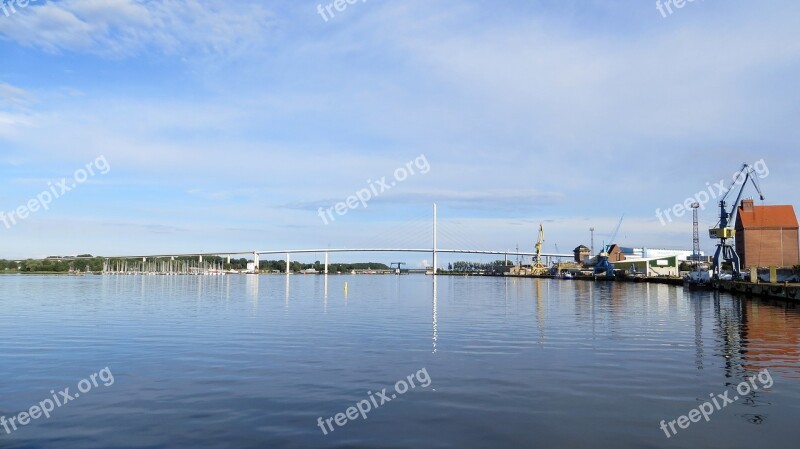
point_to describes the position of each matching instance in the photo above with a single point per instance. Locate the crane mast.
(537, 267)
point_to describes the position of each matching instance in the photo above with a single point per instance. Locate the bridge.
(434, 250)
(288, 252)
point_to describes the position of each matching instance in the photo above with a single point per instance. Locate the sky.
(233, 126)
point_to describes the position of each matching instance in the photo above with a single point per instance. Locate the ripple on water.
(254, 361)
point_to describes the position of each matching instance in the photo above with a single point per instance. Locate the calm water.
(253, 362)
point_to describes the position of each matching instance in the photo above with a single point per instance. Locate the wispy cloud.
(498, 200)
(527, 110)
(14, 109)
(223, 195)
(121, 28)
(153, 228)
(12, 96)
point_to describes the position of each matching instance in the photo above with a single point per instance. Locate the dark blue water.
(254, 362)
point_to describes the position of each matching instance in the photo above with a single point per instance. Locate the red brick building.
(615, 254)
(767, 235)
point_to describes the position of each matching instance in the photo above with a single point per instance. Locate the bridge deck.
(330, 250)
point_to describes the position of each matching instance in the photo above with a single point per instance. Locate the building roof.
(766, 217)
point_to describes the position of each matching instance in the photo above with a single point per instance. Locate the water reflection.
(251, 284)
(746, 334)
(759, 334)
(435, 325)
(668, 346)
(287, 290)
(584, 303)
(730, 334)
(540, 309)
(698, 334)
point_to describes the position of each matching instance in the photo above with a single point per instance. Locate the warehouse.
(657, 266)
(767, 235)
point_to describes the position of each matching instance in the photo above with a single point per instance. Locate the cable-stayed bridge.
(434, 250)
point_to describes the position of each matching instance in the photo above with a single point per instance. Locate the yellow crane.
(537, 267)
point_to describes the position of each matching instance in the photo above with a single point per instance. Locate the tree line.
(51, 265)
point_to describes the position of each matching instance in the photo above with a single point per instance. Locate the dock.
(786, 291)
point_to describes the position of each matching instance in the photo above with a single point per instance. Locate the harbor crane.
(723, 230)
(537, 267)
(603, 267)
(614, 234)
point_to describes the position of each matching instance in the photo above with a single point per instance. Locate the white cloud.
(14, 112)
(520, 113)
(11, 96)
(122, 28)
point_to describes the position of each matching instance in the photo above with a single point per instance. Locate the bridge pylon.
(435, 254)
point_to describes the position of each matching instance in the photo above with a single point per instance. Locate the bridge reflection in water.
(747, 334)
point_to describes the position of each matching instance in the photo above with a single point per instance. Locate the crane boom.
(611, 241)
(723, 231)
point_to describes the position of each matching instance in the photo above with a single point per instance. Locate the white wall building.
(651, 253)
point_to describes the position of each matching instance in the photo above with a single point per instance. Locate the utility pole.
(592, 244)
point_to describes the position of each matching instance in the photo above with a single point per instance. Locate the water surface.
(254, 361)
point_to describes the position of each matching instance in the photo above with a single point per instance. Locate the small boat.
(636, 276)
(566, 275)
(698, 280)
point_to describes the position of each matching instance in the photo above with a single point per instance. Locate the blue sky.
(227, 124)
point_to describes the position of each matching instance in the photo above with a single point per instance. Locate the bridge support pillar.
(435, 255)
(326, 263)
(256, 261)
(288, 269)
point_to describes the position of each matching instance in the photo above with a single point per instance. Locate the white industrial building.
(656, 253)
